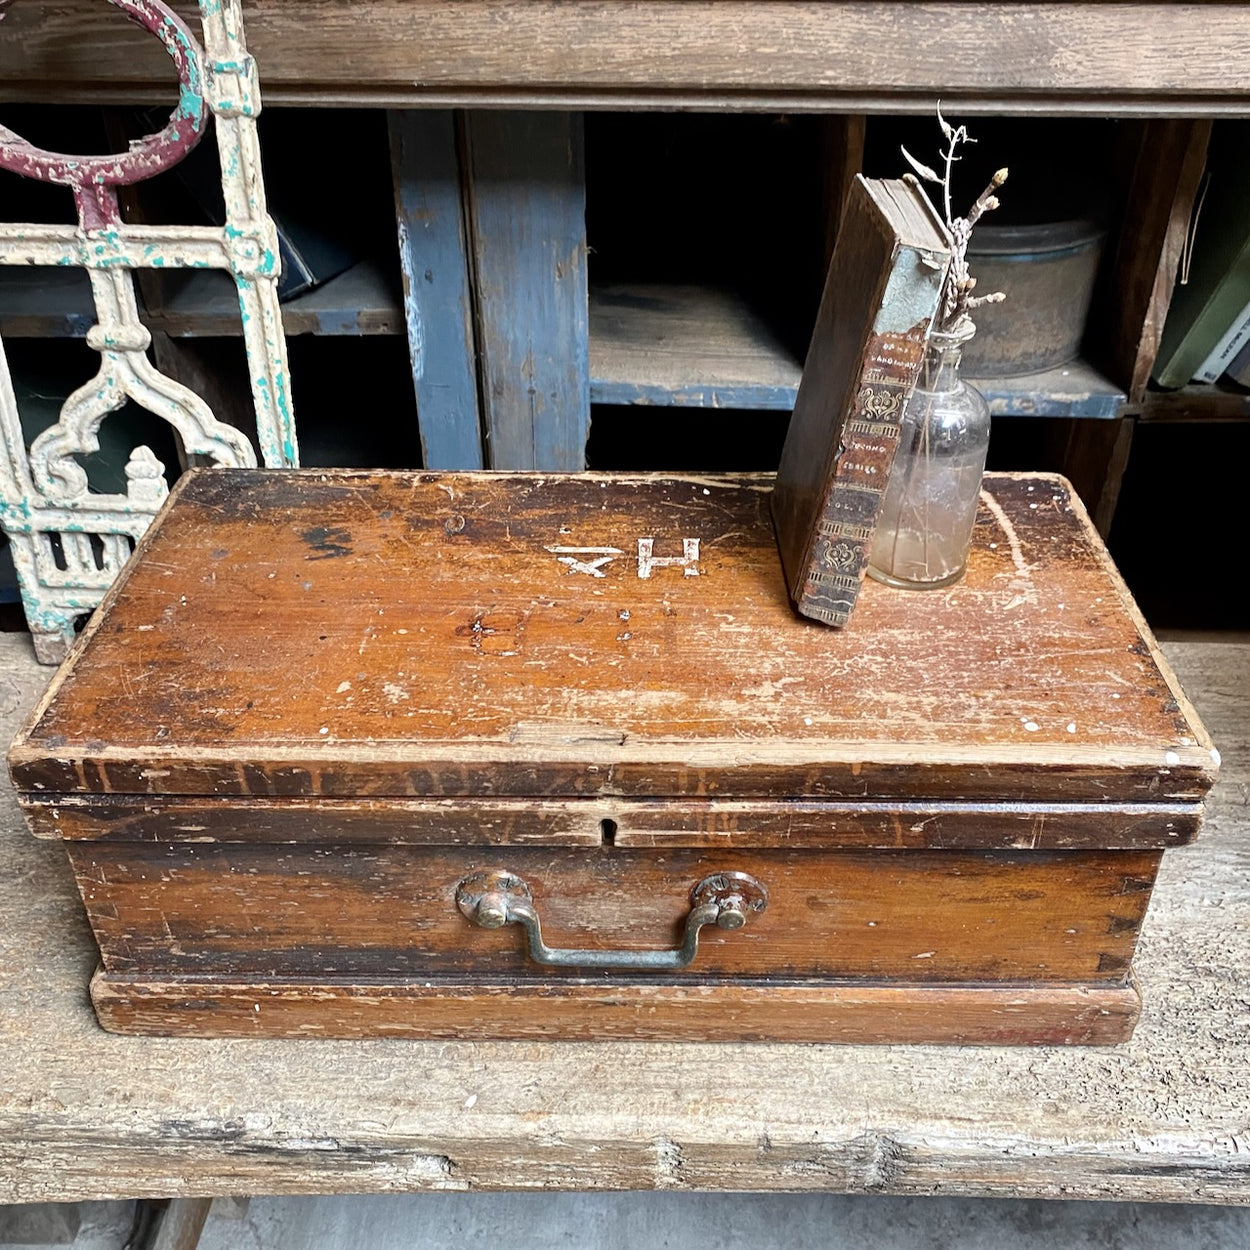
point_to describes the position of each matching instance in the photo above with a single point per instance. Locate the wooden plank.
(44, 302)
(1217, 401)
(843, 144)
(1095, 457)
(635, 677)
(1072, 390)
(527, 213)
(434, 260)
(686, 346)
(865, 1013)
(181, 1224)
(852, 56)
(364, 299)
(1161, 1118)
(711, 823)
(386, 912)
(706, 347)
(1134, 291)
(56, 303)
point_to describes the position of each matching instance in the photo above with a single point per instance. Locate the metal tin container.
(1047, 273)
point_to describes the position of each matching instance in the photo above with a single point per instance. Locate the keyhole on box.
(607, 832)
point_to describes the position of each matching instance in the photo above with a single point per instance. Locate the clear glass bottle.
(925, 528)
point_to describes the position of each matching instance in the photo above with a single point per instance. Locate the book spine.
(842, 542)
(1225, 351)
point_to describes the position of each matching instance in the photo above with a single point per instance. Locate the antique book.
(880, 296)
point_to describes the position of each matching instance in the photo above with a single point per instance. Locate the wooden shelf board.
(1072, 390)
(363, 300)
(1199, 401)
(47, 302)
(672, 346)
(703, 347)
(787, 55)
(686, 346)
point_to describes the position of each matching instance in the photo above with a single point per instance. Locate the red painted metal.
(94, 179)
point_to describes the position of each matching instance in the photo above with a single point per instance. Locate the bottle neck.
(940, 371)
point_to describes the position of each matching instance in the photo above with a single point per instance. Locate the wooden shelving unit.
(706, 348)
(1130, 59)
(686, 347)
(56, 303)
(1216, 401)
(488, 154)
(667, 346)
(45, 303)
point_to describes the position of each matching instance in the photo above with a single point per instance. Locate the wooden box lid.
(305, 633)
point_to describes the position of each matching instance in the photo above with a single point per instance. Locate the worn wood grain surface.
(686, 346)
(525, 197)
(234, 911)
(500, 635)
(438, 302)
(86, 1114)
(1098, 58)
(1055, 1013)
(1004, 826)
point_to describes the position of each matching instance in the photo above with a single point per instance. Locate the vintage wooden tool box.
(551, 756)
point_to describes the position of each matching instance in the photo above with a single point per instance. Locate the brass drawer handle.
(495, 898)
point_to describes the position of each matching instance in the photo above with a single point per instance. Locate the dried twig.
(957, 297)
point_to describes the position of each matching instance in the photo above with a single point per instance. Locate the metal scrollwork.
(69, 543)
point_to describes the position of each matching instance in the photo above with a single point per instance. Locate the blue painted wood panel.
(527, 214)
(1072, 390)
(438, 310)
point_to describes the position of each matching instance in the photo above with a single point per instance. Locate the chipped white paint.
(570, 557)
(68, 543)
(688, 561)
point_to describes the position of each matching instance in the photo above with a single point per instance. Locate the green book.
(1204, 308)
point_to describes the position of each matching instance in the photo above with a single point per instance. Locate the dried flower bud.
(977, 301)
(1000, 176)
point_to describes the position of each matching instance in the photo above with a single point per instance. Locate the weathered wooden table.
(1166, 1117)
